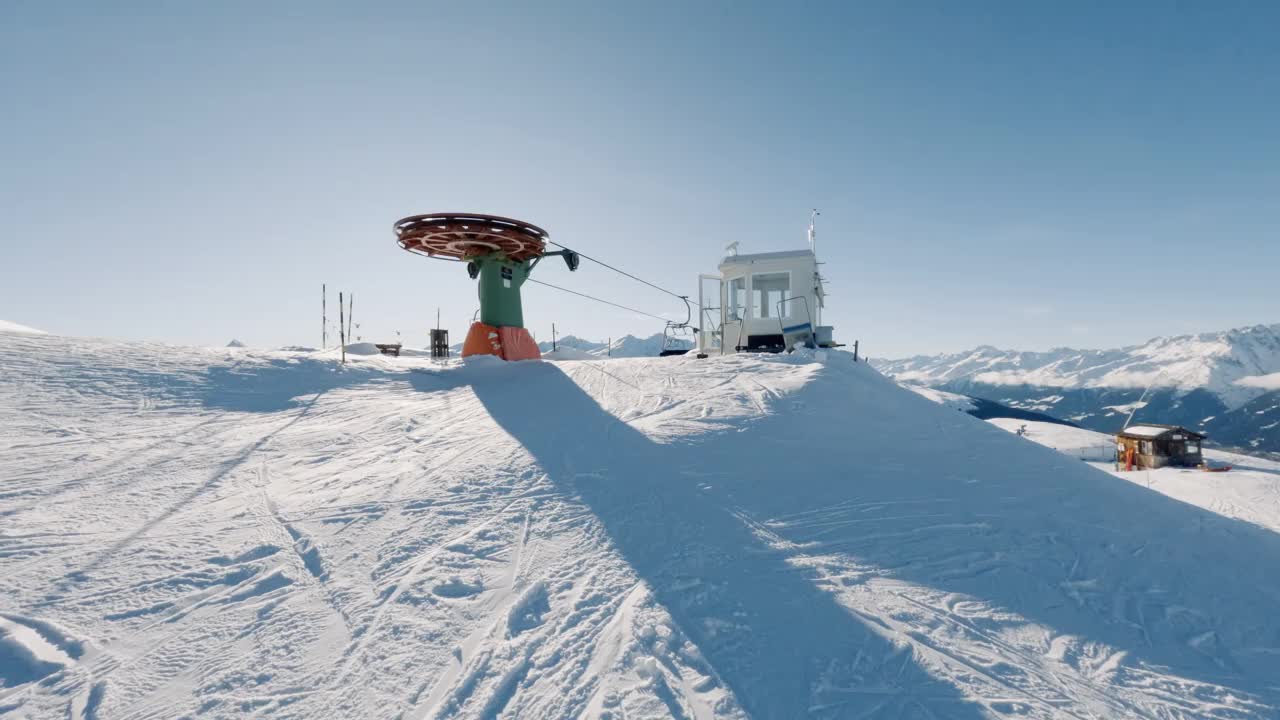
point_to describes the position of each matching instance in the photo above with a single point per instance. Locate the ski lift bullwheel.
(461, 236)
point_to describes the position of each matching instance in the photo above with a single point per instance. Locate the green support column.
(500, 281)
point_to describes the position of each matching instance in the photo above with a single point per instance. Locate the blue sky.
(1007, 173)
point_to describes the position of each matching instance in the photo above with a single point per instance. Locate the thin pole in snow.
(324, 320)
(553, 337)
(351, 313)
(342, 329)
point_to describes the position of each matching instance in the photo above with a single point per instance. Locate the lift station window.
(737, 298)
(769, 289)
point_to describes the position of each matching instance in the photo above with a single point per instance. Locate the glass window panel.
(769, 289)
(737, 298)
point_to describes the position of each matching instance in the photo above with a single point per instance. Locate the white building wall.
(750, 291)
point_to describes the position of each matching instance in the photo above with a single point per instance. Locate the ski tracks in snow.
(1009, 664)
(250, 534)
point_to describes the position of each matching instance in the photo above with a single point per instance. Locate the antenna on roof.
(817, 277)
(813, 234)
(1142, 397)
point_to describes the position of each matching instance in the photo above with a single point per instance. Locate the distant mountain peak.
(1224, 382)
(1212, 361)
(625, 346)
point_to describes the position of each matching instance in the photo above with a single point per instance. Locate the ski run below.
(1249, 492)
(238, 533)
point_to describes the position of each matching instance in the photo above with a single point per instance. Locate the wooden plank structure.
(1150, 446)
(388, 348)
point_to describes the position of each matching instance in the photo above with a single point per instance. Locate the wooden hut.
(1156, 446)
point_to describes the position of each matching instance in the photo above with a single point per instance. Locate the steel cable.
(599, 300)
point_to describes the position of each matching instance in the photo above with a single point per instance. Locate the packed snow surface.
(942, 397)
(238, 533)
(1250, 491)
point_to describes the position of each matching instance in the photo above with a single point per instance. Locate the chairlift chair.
(677, 330)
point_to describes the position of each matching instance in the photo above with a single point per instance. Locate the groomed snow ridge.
(229, 533)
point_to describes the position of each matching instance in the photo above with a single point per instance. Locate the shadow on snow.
(765, 626)
(254, 386)
(973, 512)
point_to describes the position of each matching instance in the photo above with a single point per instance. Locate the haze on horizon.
(1005, 174)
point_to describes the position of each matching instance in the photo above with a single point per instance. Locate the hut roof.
(765, 256)
(1150, 431)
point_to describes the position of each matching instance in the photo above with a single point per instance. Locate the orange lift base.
(508, 343)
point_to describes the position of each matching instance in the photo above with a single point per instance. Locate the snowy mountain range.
(626, 346)
(573, 347)
(1224, 383)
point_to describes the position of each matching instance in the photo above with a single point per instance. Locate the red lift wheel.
(460, 236)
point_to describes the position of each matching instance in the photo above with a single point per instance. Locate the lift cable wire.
(682, 298)
(622, 272)
(592, 297)
(688, 309)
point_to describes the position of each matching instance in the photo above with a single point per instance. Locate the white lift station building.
(763, 302)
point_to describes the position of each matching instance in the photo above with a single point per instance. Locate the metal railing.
(813, 330)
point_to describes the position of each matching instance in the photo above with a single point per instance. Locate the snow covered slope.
(963, 403)
(13, 327)
(240, 532)
(979, 407)
(1250, 491)
(1223, 383)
